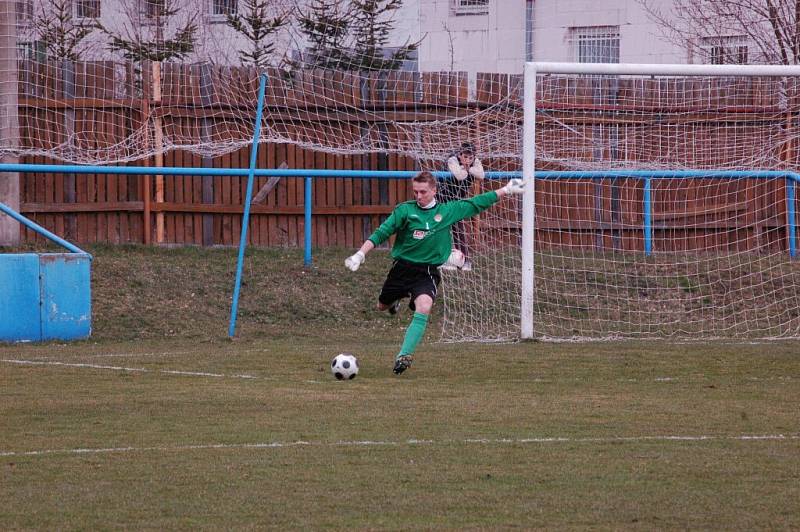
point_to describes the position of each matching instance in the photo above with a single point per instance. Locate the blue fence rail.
(646, 176)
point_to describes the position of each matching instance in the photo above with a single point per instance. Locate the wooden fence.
(102, 105)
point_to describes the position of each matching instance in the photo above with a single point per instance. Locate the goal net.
(663, 206)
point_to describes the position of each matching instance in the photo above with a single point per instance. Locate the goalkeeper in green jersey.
(424, 242)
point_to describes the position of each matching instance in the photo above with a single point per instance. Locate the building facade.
(454, 35)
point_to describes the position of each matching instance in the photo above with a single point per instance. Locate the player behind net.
(424, 242)
(465, 170)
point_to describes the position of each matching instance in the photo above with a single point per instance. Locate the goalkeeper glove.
(354, 261)
(514, 186)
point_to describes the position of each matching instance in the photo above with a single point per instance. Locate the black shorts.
(409, 280)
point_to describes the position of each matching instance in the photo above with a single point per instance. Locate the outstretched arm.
(354, 261)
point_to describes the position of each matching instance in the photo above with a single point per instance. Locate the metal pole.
(528, 202)
(41, 230)
(791, 217)
(648, 217)
(248, 198)
(307, 207)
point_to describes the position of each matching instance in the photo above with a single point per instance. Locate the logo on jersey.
(419, 234)
(437, 218)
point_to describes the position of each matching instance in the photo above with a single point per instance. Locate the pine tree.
(326, 26)
(140, 45)
(373, 22)
(259, 27)
(351, 35)
(59, 31)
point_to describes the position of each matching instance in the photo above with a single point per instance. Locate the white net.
(716, 261)
(117, 82)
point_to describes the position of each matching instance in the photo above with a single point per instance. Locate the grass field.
(160, 422)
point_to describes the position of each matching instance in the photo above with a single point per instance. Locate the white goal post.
(744, 165)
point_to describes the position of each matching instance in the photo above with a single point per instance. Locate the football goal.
(663, 205)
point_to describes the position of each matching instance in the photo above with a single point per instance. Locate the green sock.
(414, 334)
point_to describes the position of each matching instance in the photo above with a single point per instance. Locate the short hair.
(467, 147)
(425, 177)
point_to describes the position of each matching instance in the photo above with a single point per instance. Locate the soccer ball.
(344, 366)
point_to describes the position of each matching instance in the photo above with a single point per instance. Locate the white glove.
(476, 170)
(354, 261)
(514, 186)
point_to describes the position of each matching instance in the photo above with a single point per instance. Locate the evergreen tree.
(59, 31)
(258, 26)
(373, 22)
(148, 42)
(326, 25)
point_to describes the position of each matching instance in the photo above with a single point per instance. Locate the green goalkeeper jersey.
(423, 235)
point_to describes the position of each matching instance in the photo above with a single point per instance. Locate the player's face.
(466, 159)
(423, 193)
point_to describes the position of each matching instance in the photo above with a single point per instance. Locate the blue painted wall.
(45, 297)
(20, 318)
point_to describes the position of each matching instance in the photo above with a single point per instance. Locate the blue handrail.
(646, 175)
(41, 230)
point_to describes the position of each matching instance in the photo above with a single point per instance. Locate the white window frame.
(717, 50)
(580, 35)
(144, 10)
(219, 17)
(31, 50)
(79, 16)
(469, 7)
(25, 14)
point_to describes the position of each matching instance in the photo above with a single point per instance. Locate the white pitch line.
(123, 368)
(134, 355)
(408, 442)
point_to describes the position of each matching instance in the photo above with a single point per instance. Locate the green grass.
(107, 433)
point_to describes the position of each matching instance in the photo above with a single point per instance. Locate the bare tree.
(723, 31)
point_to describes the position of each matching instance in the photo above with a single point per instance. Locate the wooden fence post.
(145, 179)
(158, 134)
(206, 124)
(68, 85)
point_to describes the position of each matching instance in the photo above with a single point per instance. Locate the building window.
(595, 44)
(24, 12)
(470, 7)
(152, 9)
(729, 50)
(87, 9)
(223, 8)
(32, 50)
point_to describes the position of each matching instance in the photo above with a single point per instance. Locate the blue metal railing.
(248, 198)
(308, 174)
(648, 175)
(41, 230)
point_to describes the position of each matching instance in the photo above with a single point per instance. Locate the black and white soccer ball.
(344, 366)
